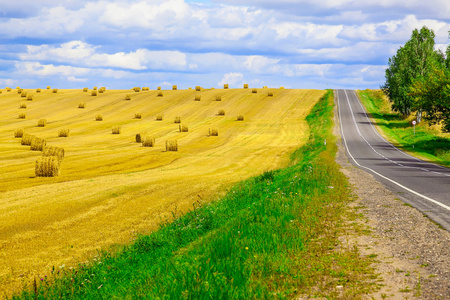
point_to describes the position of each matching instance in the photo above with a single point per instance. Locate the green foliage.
(274, 236)
(416, 75)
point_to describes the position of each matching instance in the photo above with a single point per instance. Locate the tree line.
(418, 80)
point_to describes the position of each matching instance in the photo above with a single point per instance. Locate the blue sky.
(125, 43)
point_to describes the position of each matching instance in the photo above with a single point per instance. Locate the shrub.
(38, 144)
(140, 137)
(27, 139)
(99, 117)
(63, 132)
(18, 133)
(225, 86)
(254, 91)
(177, 120)
(183, 128)
(22, 116)
(53, 151)
(240, 118)
(221, 112)
(48, 87)
(42, 123)
(116, 130)
(23, 105)
(38, 90)
(198, 88)
(160, 94)
(47, 166)
(55, 91)
(245, 85)
(171, 145)
(82, 105)
(128, 97)
(218, 98)
(85, 89)
(198, 97)
(138, 116)
(93, 93)
(148, 141)
(213, 132)
(174, 87)
(270, 94)
(159, 117)
(30, 97)
(23, 94)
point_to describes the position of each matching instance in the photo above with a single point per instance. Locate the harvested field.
(112, 188)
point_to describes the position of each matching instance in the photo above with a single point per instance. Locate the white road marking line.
(382, 176)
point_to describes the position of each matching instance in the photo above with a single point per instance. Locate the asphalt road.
(423, 185)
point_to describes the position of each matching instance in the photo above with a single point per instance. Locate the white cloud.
(233, 79)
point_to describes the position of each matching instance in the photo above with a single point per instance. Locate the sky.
(121, 44)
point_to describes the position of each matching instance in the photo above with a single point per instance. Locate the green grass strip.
(425, 143)
(274, 236)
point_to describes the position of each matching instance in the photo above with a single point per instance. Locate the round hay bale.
(218, 98)
(82, 105)
(38, 90)
(225, 86)
(116, 130)
(145, 88)
(171, 145)
(30, 97)
(245, 85)
(160, 94)
(198, 88)
(240, 118)
(94, 88)
(27, 139)
(85, 89)
(48, 87)
(177, 120)
(174, 87)
(55, 91)
(213, 132)
(183, 128)
(22, 116)
(64, 133)
(47, 166)
(158, 88)
(137, 89)
(18, 133)
(42, 123)
(128, 97)
(23, 94)
(99, 117)
(138, 116)
(23, 105)
(53, 151)
(94, 93)
(140, 137)
(270, 94)
(38, 144)
(198, 97)
(148, 141)
(221, 112)
(159, 117)
(19, 90)
(254, 91)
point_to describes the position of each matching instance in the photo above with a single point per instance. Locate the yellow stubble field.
(110, 187)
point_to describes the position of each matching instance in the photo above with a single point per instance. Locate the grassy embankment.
(272, 236)
(427, 142)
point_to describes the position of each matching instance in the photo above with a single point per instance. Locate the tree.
(413, 60)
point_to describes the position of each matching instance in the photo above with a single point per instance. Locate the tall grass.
(274, 236)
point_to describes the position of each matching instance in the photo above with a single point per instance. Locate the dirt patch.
(413, 252)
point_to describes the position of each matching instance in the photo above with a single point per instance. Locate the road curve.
(423, 185)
